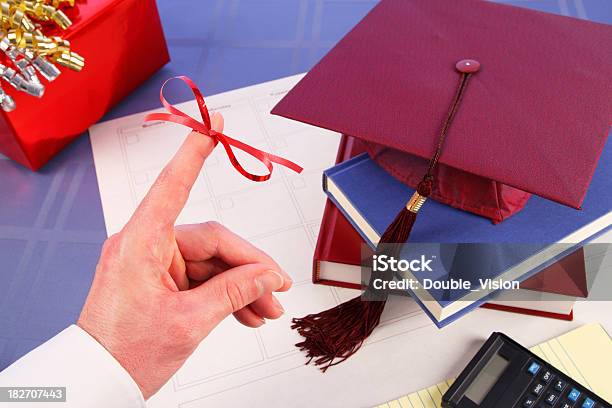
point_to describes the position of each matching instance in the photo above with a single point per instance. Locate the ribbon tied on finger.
(205, 128)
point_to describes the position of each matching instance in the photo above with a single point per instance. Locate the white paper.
(237, 366)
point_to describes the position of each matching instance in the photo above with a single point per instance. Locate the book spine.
(323, 242)
(339, 168)
(531, 312)
(326, 230)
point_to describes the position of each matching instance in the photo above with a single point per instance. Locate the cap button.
(468, 66)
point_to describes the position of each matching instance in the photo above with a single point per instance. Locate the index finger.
(170, 191)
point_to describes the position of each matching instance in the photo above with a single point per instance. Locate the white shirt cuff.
(75, 360)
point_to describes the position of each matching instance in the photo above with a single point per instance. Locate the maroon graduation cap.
(474, 104)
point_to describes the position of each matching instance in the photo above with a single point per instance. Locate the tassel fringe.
(332, 336)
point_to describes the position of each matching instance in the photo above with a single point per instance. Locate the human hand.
(158, 290)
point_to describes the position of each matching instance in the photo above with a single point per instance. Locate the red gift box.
(123, 44)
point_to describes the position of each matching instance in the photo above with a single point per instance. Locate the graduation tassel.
(332, 336)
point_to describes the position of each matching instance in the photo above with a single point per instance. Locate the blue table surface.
(51, 222)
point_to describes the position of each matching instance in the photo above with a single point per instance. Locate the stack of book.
(552, 274)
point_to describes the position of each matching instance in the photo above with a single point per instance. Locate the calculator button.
(588, 403)
(528, 402)
(533, 368)
(560, 385)
(566, 404)
(551, 398)
(538, 388)
(546, 377)
(573, 395)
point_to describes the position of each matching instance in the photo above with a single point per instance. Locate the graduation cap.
(475, 104)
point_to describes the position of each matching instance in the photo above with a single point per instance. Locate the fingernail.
(277, 304)
(288, 278)
(269, 281)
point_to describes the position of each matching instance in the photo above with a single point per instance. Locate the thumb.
(234, 289)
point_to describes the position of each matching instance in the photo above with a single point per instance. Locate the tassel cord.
(447, 123)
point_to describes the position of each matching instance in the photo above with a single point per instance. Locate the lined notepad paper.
(584, 354)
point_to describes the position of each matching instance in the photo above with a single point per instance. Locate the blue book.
(472, 247)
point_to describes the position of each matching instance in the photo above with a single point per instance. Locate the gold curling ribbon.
(28, 49)
(17, 18)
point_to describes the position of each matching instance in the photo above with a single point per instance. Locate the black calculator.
(504, 374)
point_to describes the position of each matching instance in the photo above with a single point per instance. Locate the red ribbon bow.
(205, 128)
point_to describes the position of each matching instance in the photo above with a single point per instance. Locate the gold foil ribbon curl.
(30, 51)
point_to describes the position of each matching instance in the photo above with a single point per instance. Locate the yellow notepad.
(584, 354)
